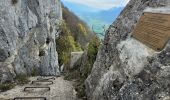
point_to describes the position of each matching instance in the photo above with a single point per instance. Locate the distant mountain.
(94, 17)
(109, 15)
(78, 8)
(100, 19)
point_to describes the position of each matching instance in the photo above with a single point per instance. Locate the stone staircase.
(42, 88)
(39, 80)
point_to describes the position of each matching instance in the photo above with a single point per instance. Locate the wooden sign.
(153, 29)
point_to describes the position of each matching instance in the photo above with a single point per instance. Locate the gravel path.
(60, 90)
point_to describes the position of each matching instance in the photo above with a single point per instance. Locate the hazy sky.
(100, 4)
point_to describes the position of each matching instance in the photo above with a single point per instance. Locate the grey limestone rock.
(126, 69)
(24, 30)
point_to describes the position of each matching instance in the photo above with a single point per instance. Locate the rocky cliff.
(126, 69)
(27, 37)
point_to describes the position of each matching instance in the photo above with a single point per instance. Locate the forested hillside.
(78, 29)
(74, 36)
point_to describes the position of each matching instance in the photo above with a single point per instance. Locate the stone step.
(40, 78)
(26, 98)
(36, 88)
(43, 81)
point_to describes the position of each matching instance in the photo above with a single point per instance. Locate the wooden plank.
(153, 29)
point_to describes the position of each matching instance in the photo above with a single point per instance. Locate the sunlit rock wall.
(126, 69)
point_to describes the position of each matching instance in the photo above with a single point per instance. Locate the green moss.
(21, 79)
(6, 86)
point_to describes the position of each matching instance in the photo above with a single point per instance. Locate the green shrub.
(21, 79)
(83, 71)
(14, 1)
(93, 49)
(6, 86)
(66, 44)
(72, 75)
(80, 88)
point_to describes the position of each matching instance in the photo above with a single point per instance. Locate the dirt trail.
(60, 90)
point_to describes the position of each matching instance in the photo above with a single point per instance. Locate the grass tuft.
(6, 86)
(21, 79)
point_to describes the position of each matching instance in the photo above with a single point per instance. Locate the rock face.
(126, 69)
(27, 37)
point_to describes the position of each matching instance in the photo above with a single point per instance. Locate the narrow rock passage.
(60, 90)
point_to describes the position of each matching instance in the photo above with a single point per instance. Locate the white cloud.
(100, 4)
